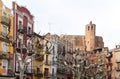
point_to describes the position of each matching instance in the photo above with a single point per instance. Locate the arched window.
(88, 27)
(91, 27)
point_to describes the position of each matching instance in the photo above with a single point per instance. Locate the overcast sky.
(71, 16)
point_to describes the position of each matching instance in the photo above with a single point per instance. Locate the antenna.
(39, 32)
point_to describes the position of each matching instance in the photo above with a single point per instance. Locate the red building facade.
(23, 31)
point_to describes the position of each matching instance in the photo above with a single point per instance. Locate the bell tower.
(90, 31)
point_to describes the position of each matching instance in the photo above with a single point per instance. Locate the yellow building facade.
(39, 58)
(6, 37)
(41, 64)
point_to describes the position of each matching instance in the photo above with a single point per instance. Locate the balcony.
(38, 73)
(29, 71)
(117, 68)
(48, 62)
(53, 62)
(29, 32)
(4, 56)
(30, 52)
(19, 46)
(10, 72)
(48, 48)
(39, 57)
(5, 37)
(21, 29)
(39, 46)
(17, 70)
(61, 71)
(48, 52)
(47, 75)
(71, 73)
(117, 61)
(6, 21)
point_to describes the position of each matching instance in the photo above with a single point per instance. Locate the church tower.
(90, 31)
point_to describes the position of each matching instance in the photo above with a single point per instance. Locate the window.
(29, 46)
(4, 47)
(5, 65)
(4, 14)
(88, 27)
(58, 78)
(29, 67)
(52, 71)
(91, 27)
(29, 30)
(38, 70)
(19, 43)
(46, 59)
(20, 25)
(4, 17)
(17, 66)
(46, 73)
(4, 30)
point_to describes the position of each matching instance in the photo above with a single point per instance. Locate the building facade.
(53, 68)
(23, 32)
(116, 62)
(89, 41)
(38, 64)
(6, 37)
(84, 47)
(43, 64)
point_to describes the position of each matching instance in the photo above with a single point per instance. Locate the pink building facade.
(23, 31)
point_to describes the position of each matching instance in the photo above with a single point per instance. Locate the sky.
(71, 16)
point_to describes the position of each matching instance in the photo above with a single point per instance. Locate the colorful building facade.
(43, 59)
(39, 57)
(6, 37)
(23, 32)
(116, 62)
(53, 67)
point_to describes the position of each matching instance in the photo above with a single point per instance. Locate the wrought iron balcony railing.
(21, 29)
(38, 73)
(29, 32)
(40, 46)
(6, 21)
(47, 62)
(48, 52)
(53, 62)
(29, 71)
(10, 72)
(61, 71)
(4, 56)
(47, 75)
(5, 37)
(39, 57)
(30, 52)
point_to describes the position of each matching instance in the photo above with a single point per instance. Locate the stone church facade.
(87, 42)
